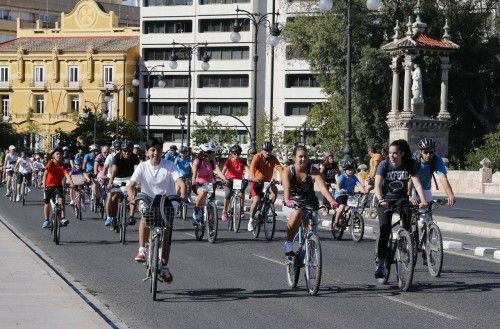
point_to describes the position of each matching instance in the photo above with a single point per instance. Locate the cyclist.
(171, 154)
(298, 181)
(89, 161)
(24, 168)
(329, 171)
(346, 184)
(2, 159)
(261, 170)
(99, 172)
(77, 169)
(391, 185)
(137, 151)
(108, 165)
(52, 183)
(183, 165)
(234, 168)
(79, 155)
(375, 159)
(204, 167)
(66, 158)
(38, 168)
(123, 167)
(155, 176)
(8, 168)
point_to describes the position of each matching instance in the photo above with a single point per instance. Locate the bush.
(489, 150)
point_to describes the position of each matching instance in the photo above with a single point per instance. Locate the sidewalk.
(32, 295)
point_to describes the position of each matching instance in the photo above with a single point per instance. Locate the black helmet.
(116, 144)
(267, 146)
(426, 143)
(127, 145)
(235, 149)
(173, 147)
(348, 165)
(57, 149)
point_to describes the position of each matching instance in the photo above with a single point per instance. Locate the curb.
(109, 317)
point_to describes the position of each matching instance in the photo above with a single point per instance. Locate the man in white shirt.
(156, 176)
(108, 165)
(24, 167)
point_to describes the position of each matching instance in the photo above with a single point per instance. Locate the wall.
(463, 181)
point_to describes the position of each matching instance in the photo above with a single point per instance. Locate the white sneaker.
(288, 247)
(71, 203)
(250, 224)
(18, 198)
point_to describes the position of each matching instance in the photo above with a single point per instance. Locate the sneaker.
(225, 217)
(46, 224)
(380, 272)
(27, 190)
(108, 222)
(71, 203)
(141, 255)
(165, 274)
(288, 248)
(196, 215)
(251, 223)
(18, 198)
(7, 194)
(64, 222)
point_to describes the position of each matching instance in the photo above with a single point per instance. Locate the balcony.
(105, 84)
(5, 85)
(72, 85)
(38, 85)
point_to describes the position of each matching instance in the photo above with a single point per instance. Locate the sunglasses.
(428, 152)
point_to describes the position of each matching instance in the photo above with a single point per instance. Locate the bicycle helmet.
(348, 165)
(12, 147)
(93, 147)
(77, 161)
(137, 146)
(426, 143)
(127, 145)
(235, 149)
(57, 149)
(327, 154)
(65, 148)
(267, 146)
(208, 148)
(184, 149)
(116, 144)
(173, 147)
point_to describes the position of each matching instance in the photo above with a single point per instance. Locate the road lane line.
(476, 210)
(190, 234)
(421, 307)
(473, 257)
(270, 259)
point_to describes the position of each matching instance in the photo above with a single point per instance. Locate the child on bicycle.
(234, 168)
(76, 170)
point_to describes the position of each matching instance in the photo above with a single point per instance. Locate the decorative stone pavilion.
(410, 122)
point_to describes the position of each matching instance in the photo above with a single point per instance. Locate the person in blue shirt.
(183, 165)
(345, 186)
(172, 153)
(88, 162)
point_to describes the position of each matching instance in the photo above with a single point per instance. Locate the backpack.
(432, 166)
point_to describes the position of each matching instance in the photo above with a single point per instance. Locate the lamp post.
(182, 118)
(274, 38)
(129, 99)
(205, 65)
(144, 70)
(326, 5)
(86, 114)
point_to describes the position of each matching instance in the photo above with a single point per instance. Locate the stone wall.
(477, 182)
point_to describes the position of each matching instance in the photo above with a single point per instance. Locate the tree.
(264, 131)
(473, 75)
(8, 136)
(488, 150)
(210, 130)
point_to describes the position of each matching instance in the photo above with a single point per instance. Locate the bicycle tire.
(184, 211)
(123, 222)
(434, 251)
(212, 222)
(313, 264)
(404, 259)
(293, 271)
(357, 227)
(154, 266)
(237, 214)
(57, 229)
(337, 234)
(199, 227)
(23, 192)
(269, 222)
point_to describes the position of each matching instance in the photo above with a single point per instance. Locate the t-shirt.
(205, 171)
(74, 171)
(89, 167)
(37, 165)
(125, 166)
(171, 156)
(11, 161)
(346, 184)
(395, 184)
(374, 161)
(183, 166)
(55, 174)
(66, 161)
(109, 162)
(235, 168)
(262, 168)
(425, 175)
(156, 180)
(330, 173)
(25, 165)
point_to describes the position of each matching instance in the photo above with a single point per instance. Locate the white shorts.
(119, 181)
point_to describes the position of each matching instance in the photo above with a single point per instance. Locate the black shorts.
(52, 192)
(10, 173)
(342, 199)
(21, 176)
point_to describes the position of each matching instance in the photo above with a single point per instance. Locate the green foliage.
(264, 131)
(489, 150)
(473, 88)
(210, 130)
(327, 119)
(8, 136)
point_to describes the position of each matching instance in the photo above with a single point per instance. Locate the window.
(223, 81)
(238, 109)
(221, 25)
(39, 76)
(4, 75)
(163, 108)
(171, 81)
(73, 74)
(212, 2)
(5, 105)
(168, 27)
(163, 54)
(292, 109)
(74, 104)
(4, 14)
(108, 75)
(226, 53)
(301, 80)
(40, 104)
(154, 3)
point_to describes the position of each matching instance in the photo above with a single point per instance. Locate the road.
(240, 283)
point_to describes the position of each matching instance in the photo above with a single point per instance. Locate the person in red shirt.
(234, 168)
(52, 183)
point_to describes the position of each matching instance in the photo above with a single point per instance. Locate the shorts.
(228, 188)
(52, 192)
(342, 199)
(256, 189)
(10, 172)
(21, 176)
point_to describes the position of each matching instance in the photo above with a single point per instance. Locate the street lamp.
(274, 38)
(326, 5)
(144, 70)
(182, 118)
(86, 114)
(205, 65)
(108, 97)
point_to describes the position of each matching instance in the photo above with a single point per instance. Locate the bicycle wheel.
(339, 231)
(312, 264)
(404, 259)
(237, 214)
(357, 226)
(212, 222)
(199, 227)
(184, 209)
(293, 266)
(434, 249)
(123, 221)
(56, 224)
(154, 266)
(23, 192)
(269, 222)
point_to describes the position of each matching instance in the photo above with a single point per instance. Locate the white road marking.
(472, 257)
(476, 210)
(190, 234)
(270, 259)
(421, 307)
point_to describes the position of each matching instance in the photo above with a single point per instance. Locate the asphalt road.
(241, 283)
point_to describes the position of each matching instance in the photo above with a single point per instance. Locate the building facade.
(47, 76)
(227, 86)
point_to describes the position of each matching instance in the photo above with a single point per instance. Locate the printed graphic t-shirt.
(395, 179)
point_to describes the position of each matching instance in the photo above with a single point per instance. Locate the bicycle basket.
(78, 179)
(159, 213)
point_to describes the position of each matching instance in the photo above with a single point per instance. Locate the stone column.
(407, 84)
(443, 108)
(395, 87)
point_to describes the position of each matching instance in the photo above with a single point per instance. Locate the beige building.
(47, 76)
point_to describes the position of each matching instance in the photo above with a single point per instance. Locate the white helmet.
(208, 147)
(93, 147)
(65, 148)
(12, 147)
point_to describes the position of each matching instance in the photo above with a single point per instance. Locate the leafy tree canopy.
(489, 150)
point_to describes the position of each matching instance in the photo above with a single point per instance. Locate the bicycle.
(369, 207)
(208, 215)
(120, 223)
(307, 252)
(399, 248)
(181, 210)
(24, 190)
(430, 240)
(158, 214)
(351, 217)
(79, 200)
(13, 187)
(55, 219)
(234, 210)
(266, 215)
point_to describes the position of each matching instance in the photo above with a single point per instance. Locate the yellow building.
(47, 76)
